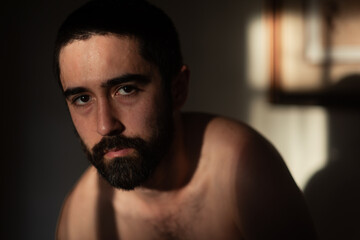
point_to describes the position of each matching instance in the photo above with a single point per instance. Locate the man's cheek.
(86, 141)
(83, 131)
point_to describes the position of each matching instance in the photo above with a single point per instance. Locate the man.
(163, 174)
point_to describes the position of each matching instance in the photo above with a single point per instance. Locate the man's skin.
(219, 180)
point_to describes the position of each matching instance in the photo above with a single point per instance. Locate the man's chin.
(124, 172)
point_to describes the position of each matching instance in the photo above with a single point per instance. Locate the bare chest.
(197, 217)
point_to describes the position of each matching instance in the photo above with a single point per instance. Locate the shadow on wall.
(333, 193)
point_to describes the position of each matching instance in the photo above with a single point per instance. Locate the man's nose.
(108, 122)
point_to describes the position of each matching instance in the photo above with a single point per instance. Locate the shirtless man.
(158, 173)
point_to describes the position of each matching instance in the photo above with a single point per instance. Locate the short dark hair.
(157, 36)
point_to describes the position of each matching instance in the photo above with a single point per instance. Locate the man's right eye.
(81, 100)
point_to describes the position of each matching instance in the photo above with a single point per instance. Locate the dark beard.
(132, 171)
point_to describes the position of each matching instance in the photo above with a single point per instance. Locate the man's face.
(118, 106)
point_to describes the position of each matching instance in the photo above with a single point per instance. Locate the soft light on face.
(118, 106)
(132, 170)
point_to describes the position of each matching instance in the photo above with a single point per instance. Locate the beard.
(135, 169)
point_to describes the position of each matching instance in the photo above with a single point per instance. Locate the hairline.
(88, 35)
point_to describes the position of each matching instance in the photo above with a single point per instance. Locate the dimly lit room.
(289, 69)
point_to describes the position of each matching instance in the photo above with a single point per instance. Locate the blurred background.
(229, 47)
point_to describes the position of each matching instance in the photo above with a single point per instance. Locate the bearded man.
(159, 173)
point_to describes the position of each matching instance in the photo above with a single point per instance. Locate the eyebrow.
(73, 91)
(139, 78)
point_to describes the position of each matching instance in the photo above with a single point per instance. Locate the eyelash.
(75, 99)
(133, 90)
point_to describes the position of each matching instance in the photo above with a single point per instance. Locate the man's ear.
(179, 87)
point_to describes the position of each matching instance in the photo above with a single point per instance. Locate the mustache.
(117, 142)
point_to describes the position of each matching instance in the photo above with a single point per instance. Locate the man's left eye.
(126, 90)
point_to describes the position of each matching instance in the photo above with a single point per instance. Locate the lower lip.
(119, 153)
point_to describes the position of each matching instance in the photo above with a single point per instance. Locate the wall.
(42, 158)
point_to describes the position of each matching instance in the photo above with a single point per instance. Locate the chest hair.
(179, 223)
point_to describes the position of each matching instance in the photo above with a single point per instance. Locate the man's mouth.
(118, 152)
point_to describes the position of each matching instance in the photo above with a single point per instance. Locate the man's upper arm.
(62, 226)
(270, 205)
(77, 214)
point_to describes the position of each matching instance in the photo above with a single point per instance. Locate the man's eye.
(126, 90)
(82, 100)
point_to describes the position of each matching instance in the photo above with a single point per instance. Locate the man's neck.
(174, 169)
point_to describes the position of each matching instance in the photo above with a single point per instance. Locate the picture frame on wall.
(315, 52)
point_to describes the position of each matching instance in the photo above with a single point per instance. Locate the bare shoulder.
(78, 212)
(232, 150)
(239, 142)
(248, 147)
(230, 131)
(226, 134)
(249, 171)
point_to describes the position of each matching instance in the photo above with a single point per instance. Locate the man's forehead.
(97, 45)
(100, 56)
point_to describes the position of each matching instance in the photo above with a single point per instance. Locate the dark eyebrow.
(142, 79)
(72, 91)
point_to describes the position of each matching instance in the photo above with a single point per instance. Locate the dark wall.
(213, 35)
(333, 192)
(42, 158)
